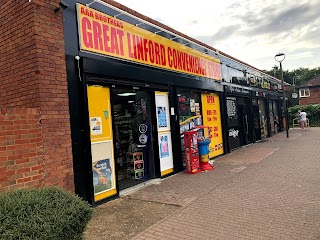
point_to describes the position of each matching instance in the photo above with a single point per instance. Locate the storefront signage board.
(238, 90)
(103, 165)
(212, 118)
(106, 35)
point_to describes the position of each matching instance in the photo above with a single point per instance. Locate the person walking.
(303, 120)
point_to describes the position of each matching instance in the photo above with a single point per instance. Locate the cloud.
(221, 34)
(226, 32)
(272, 21)
(252, 31)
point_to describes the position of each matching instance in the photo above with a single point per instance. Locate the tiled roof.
(313, 82)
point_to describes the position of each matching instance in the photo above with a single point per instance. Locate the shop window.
(304, 92)
(189, 105)
(189, 112)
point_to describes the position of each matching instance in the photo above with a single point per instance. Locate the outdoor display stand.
(191, 151)
(203, 143)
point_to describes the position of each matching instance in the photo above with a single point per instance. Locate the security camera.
(63, 4)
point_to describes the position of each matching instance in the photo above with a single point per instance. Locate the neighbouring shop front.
(252, 103)
(274, 114)
(239, 113)
(132, 94)
(260, 114)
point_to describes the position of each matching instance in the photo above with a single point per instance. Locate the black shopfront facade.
(239, 115)
(252, 101)
(251, 115)
(119, 104)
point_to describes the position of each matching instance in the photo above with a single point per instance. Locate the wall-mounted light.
(77, 58)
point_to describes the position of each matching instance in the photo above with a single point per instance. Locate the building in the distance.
(309, 92)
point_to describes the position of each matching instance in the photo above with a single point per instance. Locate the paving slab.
(268, 190)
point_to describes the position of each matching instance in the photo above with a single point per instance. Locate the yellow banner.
(212, 118)
(100, 114)
(103, 164)
(100, 33)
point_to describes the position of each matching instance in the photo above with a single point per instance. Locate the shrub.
(46, 213)
(313, 113)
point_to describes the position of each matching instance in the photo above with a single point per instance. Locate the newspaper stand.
(203, 143)
(191, 151)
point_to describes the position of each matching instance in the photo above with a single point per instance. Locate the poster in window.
(102, 175)
(212, 118)
(164, 146)
(96, 125)
(192, 105)
(162, 117)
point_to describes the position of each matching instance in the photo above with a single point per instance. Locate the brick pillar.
(34, 75)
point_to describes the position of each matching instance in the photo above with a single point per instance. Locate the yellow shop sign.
(103, 34)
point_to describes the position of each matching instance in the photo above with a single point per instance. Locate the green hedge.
(313, 113)
(41, 214)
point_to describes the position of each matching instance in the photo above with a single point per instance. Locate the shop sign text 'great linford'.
(100, 33)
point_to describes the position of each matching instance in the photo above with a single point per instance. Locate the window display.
(189, 103)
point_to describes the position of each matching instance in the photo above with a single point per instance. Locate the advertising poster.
(165, 152)
(103, 168)
(212, 118)
(164, 146)
(162, 117)
(102, 175)
(192, 105)
(103, 163)
(96, 125)
(164, 133)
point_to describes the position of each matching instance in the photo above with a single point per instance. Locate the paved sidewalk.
(268, 190)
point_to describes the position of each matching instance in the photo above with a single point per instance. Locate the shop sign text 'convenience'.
(100, 33)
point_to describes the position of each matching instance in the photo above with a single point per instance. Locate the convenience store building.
(114, 91)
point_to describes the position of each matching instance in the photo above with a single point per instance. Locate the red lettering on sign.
(151, 51)
(170, 62)
(157, 53)
(105, 30)
(97, 36)
(163, 55)
(86, 32)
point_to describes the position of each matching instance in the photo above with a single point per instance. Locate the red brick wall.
(21, 149)
(313, 99)
(17, 55)
(33, 74)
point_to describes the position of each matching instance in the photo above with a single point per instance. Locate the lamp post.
(279, 58)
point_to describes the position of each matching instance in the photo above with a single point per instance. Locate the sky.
(252, 31)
